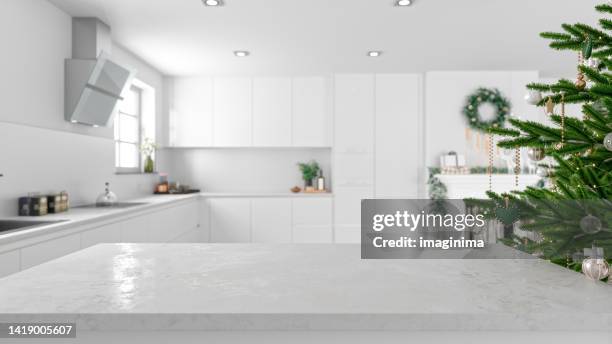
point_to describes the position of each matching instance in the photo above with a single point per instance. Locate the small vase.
(307, 183)
(149, 165)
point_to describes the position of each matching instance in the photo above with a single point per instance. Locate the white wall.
(241, 169)
(445, 97)
(39, 150)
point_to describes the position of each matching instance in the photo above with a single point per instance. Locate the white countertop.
(298, 287)
(82, 216)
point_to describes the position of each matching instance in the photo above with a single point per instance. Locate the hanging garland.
(493, 97)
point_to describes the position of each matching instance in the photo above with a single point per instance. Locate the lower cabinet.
(48, 250)
(230, 220)
(105, 234)
(312, 220)
(271, 220)
(221, 220)
(175, 223)
(9, 263)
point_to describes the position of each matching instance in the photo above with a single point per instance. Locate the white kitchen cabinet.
(353, 154)
(110, 233)
(135, 229)
(311, 124)
(347, 234)
(9, 263)
(230, 220)
(312, 220)
(48, 250)
(232, 112)
(169, 223)
(272, 112)
(203, 230)
(271, 220)
(397, 136)
(191, 112)
(354, 113)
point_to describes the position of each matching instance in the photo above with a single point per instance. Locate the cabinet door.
(135, 230)
(9, 263)
(230, 220)
(48, 250)
(169, 223)
(191, 112)
(398, 106)
(311, 120)
(232, 112)
(110, 233)
(272, 112)
(347, 204)
(312, 220)
(354, 114)
(271, 220)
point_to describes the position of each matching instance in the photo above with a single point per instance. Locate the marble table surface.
(299, 287)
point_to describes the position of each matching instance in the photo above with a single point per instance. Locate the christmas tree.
(574, 210)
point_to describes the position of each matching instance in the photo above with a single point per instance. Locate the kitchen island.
(327, 290)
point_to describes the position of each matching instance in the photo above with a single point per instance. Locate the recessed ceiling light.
(374, 53)
(95, 125)
(213, 3)
(73, 121)
(403, 3)
(241, 53)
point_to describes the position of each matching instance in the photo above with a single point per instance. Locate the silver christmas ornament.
(536, 154)
(595, 268)
(590, 224)
(608, 142)
(542, 172)
(533, 97)
(592, 62)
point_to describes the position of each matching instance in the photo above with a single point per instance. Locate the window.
(128, 132)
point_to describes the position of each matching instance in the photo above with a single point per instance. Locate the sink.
(10, 225)
(119, 205)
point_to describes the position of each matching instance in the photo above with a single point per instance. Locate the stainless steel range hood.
(94, 82)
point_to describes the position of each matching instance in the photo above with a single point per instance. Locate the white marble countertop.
(298, 287)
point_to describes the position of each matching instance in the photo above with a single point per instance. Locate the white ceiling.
(183, 37)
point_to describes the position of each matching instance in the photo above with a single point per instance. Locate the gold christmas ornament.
(550, 106)
(580, 83)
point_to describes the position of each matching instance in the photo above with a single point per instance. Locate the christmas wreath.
(491, 96)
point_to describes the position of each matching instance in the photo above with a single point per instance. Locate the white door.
(191, 112)
(272, 112)
(311, 113)
(232, 112)
(271, 220)
(230, 220)
(398, 110)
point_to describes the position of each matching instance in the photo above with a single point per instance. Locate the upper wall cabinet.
(232, 112)
(311, 112)
(250, 112)
(191, 112)
(272, 112)
(354, 113)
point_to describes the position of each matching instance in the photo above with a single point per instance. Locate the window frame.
(117, 141)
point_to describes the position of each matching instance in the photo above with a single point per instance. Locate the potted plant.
(147, 148)
(309, 171)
